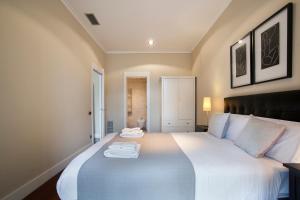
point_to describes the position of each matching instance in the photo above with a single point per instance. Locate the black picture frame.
(289, 43)
(251, 60)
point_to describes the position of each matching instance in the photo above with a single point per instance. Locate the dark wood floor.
(45, 192)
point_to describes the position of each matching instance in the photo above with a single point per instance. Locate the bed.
(207, 167)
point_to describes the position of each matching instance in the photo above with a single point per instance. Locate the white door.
(170, 96)
(98, 106)
(186, 99)
(101, 108)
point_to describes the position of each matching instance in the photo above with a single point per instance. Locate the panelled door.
(170, 96)
(186, 99)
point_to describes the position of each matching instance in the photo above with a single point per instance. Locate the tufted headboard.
(277, 105)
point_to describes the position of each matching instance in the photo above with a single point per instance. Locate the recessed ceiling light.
(240, 41)
(151, 42)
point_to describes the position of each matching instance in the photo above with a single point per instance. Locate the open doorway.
(136, 100)
(97, 105)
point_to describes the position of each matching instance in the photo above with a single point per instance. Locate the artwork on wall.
(272, 45)
(265, 54)
(241, 59)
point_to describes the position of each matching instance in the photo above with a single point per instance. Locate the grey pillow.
(258, 136)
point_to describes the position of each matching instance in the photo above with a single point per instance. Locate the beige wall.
(45, 60)
(211, 58)
(157, 64)
(138, 87)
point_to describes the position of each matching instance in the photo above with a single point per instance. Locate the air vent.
(91, 17)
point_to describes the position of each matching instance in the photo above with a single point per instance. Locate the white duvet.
(223, 171)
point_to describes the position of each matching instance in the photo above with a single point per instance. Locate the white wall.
(157, 64)
(211, 58)
(45, 84)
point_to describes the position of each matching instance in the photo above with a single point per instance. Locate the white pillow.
(236, 124)
(287, 148)
(296, 157)
(258, 136)
(217, 124)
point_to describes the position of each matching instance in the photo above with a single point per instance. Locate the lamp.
(207, 106)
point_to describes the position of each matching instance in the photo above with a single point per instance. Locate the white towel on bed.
(132, 132)
(117, 153)
(123, 146)
(131, 129)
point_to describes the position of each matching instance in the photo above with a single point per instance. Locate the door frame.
(136, 75)
(99, 71)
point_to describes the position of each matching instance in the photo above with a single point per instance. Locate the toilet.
(141, 123)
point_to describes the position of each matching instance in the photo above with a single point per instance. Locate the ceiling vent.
(91, 17)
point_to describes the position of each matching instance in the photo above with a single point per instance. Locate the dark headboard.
(277, 105)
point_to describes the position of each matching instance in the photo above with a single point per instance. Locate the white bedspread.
(67, 184)
(223, 171)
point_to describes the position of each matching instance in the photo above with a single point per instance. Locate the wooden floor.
(46, 192)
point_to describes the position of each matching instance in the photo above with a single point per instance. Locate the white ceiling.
(126, 25)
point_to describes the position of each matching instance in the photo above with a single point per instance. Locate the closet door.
(186, 100)
(169, 100)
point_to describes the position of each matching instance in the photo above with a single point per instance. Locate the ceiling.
(127, 25)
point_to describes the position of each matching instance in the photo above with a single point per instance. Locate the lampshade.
(206, 104)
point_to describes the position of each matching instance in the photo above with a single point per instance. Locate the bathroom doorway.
(136, 100)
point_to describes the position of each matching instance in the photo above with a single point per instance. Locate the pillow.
(235, 125)
(296, 157)
(218, 124)
(287, 148)
(258, 136)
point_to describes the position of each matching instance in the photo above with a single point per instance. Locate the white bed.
(222, 170)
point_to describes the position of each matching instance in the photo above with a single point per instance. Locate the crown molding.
(148, 52)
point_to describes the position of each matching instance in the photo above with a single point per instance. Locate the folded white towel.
(131, 129)
(123, 146)
(132, 134)
(113, 153)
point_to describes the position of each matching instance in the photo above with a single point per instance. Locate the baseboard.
(36, 182)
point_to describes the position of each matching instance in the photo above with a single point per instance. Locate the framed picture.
(240, 61)
(272, 46)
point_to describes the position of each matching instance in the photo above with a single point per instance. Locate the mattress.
(222, 170)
